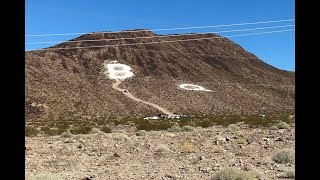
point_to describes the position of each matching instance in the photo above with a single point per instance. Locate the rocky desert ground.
(192, 153)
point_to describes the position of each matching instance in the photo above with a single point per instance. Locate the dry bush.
(120, 136)
(284, 156)
(141, 133)
(187, 128)
(43, 176)
(233, 174)
(288, 174)
(188, 147)
(161, 150)
(95, 131)
(232, 128)
(31, 131)
(106, 129)
(174, 128)
(67, 134)
(283, 125)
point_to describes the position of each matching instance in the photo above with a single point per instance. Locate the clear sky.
(66, 16)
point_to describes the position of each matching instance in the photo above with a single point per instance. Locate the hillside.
(63, 83)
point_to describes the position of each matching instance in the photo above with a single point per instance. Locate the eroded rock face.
(71, 82)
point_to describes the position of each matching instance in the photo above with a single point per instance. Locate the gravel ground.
(198, 154)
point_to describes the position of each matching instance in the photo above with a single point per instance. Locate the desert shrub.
(174, 128)
(106, 129)
(67, 134)
(141, 133)
(188, 147)
(43, 177)
(284, 156)
(122, 131)
(257, 173)
(120, 136)
(288, 174)
(151, 125)
(31, 131)
(232, 128)
(161, 149)
(64, 125)
(233, 174)
(283, 125)
(52, 131)
(80, 129)
(217, 149)
(187, 128)
(273, 127)
(95, 131)
(241, 140)
(79, 136)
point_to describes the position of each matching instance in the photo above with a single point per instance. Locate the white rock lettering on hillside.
(120, 72)
(193, 87)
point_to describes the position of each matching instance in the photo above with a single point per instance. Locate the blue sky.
(65, 16)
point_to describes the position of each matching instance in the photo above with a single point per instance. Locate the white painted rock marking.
(193, 87)
(118, 71)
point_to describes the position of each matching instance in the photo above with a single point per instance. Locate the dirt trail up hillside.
(129, 95)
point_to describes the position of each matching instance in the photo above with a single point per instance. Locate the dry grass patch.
(283, 125)
(232, 128)
(67, 134)
(284, 156)
(31, 131)
(288, 175)
(120, 136)
(43, 176)
(187, 128)
(174, 128)
(141, 133)
(233, 174)
(161, 150)
(188, 147)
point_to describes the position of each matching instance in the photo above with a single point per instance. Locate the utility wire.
(182, 40)
(148, 37)
(168, 29)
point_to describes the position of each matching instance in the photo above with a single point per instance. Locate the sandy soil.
(198, 154)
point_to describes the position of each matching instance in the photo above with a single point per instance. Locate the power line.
(168, 29)
(116, 45)
(93, 40)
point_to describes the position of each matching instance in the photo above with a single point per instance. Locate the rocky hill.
(70, 81)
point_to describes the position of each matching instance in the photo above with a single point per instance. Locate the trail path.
(129, 95)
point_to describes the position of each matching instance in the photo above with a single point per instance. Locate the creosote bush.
(106, 129)
(120, 136)
(95, 131)
(274, 127)
(187, 128)
(43, 177)
(174, 128)
(284, 156)
(67, 134)
(233, 174)
(188, 147)
(232, 128)
(141, 133)
(86, 129)
(283, 125)
(161, 149)
(288, 174)
(31, 131)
